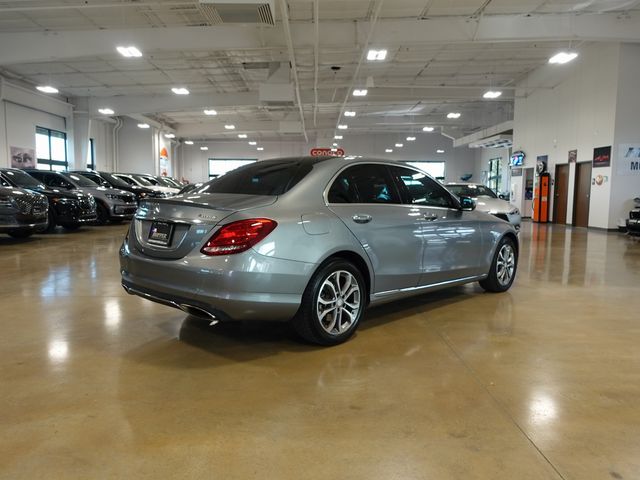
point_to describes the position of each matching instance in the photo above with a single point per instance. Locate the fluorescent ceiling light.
(349, 113)
(338, 137)
(169, 135)
(454, 115)
(143, 125)
(230, 127)
(389, 150)
(411, 139)
(260, 149)
(399, 145)
(376, 55)
(360, 92)
(129, 52)
(204, 149)
(492, 94)
(47, 89)
(242, 135)
(180, 91)
(210, 112)
(253, 143)
(428, 129)
(106, 111)
(334, 149)
(188, 142)
(439, 151)
(563, 57)
(343, 127)
(335, 145)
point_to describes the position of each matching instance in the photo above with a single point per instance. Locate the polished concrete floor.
(542, 382)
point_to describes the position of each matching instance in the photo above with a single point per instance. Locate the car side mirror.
(467, 204)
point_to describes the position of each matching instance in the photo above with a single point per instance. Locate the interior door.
(452, 238)
(582, 195)
(560, 194)
(368, 202)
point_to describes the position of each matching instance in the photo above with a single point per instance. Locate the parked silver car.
(313, 241)
(487, 201)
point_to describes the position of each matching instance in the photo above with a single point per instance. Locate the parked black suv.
(106, 179)
(22, 212)
(69, 209)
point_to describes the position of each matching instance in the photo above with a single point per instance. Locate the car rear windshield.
(22, 179)
(471, 191)
(260, 178)
(79, 180)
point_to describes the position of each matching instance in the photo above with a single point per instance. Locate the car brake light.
(238, 236)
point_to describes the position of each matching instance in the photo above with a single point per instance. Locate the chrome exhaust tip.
(197, 312)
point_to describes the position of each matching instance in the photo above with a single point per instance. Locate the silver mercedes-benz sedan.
(313, 241)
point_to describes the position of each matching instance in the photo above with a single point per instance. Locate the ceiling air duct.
(497, 141)
(222, 12)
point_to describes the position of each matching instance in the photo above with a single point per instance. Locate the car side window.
(419, 189)
(363, 184)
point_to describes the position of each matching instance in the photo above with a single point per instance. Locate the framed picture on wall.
(602, 157)
(23, 157)
(573, 156)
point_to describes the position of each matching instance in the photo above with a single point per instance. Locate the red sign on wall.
(327, 152)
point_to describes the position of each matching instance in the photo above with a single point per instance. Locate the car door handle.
(430, 217)
(360, 218)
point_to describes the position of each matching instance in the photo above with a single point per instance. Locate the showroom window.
(435, 169)
(51, 149)
(220, 166)
(91, 156)
(494, 181)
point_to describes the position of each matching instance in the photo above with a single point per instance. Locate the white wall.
(136, 148)
(574, 109)
(627, 131)
(192, 163)
(102, 134)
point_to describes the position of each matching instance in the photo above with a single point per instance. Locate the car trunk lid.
(171, 228)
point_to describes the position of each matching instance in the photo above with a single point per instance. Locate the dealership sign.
(629, 159)
(327, 152)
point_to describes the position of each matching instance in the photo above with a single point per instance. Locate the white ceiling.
(434, 65)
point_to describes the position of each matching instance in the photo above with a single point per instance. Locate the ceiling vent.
(221, 12)
(497, 141)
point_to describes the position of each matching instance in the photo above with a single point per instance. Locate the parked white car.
(487, 201)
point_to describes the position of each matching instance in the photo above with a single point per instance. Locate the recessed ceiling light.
(180, 91)
(210, 112)
(376, 55)
(260, 149)
(411, 139)
(428, 129)
(334, 150)
(349, 113)
(360, 92)
(143, 125)
(563, 57)
(47, 89)
(399, 145)
(338, 137)
(106, 111)
(169, 135)
(334, 145)
(230, 127)
(242, 135)
(253, 143)
(389, 150)
(188, 142)
(204, 149)
(439, 151)
(129, 51)
(454, 115)
(343, 127)
(492, 94)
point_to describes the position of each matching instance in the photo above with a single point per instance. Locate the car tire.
(503, 267)
(103, 214)
(332, 304)
(20, 233)
(51, 225)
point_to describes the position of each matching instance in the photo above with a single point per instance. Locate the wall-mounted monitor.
(517, 159)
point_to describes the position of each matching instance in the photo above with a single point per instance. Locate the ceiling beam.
(29, 47)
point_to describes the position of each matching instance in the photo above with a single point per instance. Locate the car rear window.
(260, 178)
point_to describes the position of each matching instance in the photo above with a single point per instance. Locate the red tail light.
(238, 236)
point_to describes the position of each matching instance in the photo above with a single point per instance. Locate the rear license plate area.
(160, 233)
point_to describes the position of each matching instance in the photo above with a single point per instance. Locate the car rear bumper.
(246, 286)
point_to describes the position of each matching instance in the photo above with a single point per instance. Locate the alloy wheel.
(338, 303)
(506, 264)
